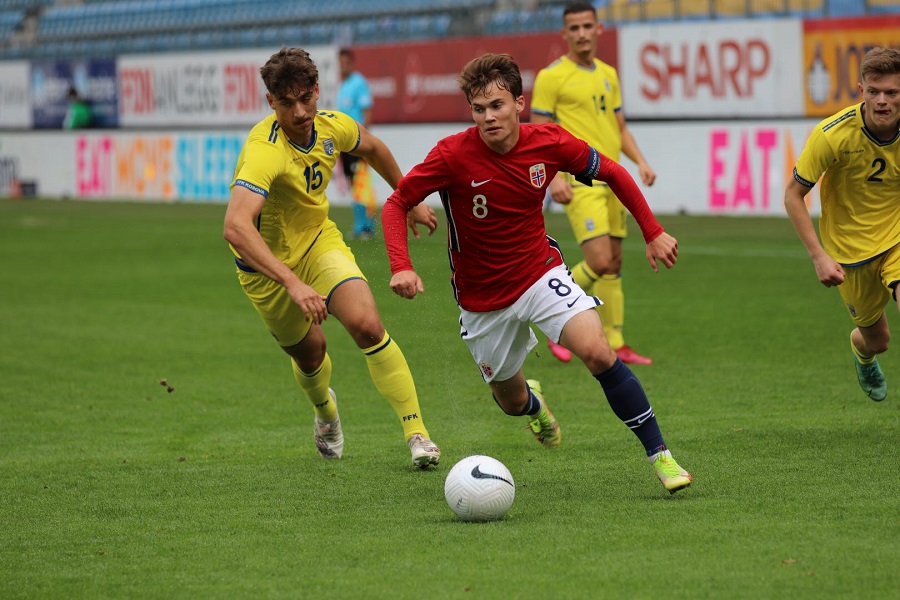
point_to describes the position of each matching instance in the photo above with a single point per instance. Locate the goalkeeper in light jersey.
(292, 262)
(492, 179)
(856, 152)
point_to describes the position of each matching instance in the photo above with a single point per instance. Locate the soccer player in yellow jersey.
(292, 262)
(856, 152)
(581, 93)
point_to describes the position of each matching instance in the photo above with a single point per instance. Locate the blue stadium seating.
(846, 8)
(10, 21)
(109, 27)
(8, 5)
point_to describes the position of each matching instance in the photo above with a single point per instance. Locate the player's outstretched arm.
(243, 209)
(394, 218)
(661, 247)
(631, 150)
(405, 207)
(628, 192)
(828, 271)
(379, 156)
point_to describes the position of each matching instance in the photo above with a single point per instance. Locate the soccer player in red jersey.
(492, 179)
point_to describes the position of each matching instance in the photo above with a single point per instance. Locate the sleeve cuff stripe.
(252, 188)
(802, 181)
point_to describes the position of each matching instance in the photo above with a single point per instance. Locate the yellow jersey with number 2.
(860, 189)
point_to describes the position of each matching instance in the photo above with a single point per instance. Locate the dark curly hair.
(290, 70)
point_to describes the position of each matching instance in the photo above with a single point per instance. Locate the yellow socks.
(609, 289)
(584, 277)
(864, 360)
(315, 386)
(392, 377)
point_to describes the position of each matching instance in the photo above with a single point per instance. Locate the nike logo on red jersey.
(479, 183)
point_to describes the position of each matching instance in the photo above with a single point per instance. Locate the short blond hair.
(879, 62)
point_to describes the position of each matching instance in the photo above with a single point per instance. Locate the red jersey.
(494, 205)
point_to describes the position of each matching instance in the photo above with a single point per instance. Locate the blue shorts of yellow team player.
(327, 264)
(868, 287)
(595, 211)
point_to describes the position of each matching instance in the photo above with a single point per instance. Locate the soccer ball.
(479, 488)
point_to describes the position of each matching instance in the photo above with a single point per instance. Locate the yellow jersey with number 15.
(860, 189)
(293, 179)
(584, 101)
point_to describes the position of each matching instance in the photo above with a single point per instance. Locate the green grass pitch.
(113, 486)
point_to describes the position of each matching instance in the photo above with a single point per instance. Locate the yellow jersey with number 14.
(860, 189)
(584, 101)
(293, 179)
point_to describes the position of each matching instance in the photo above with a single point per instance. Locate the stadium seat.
(248, 37)
(203, 40)
(846, 8)
(365, 30)
(884, 7)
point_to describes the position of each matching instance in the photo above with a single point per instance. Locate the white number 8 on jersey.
(480, 206)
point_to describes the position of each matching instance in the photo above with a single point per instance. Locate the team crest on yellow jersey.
(328, 145)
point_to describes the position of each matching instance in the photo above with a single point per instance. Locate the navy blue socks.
(628, 400)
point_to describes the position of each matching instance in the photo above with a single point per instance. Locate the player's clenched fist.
(407, 284)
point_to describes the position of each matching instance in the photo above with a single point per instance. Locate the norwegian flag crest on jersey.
(538, 175)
